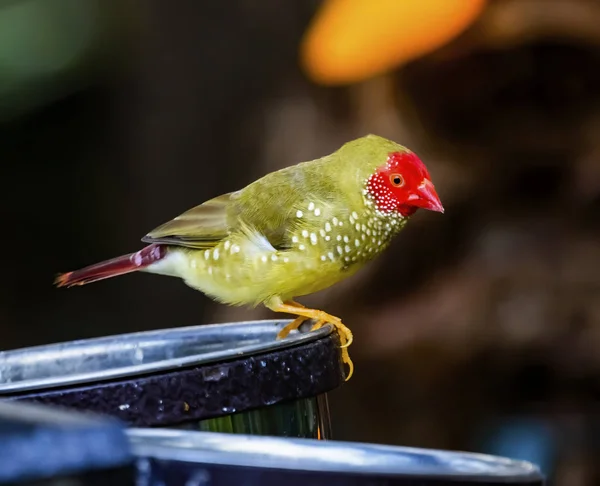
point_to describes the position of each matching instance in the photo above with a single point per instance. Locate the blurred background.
(477, 330)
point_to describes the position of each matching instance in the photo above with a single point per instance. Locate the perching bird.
(292, 232)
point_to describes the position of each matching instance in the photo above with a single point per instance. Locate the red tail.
(111, 268)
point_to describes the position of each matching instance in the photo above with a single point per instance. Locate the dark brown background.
(478, 324)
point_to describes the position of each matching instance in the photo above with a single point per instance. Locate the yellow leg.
(322, 318)
(295, 324)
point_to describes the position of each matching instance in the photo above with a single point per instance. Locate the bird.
(293, 232)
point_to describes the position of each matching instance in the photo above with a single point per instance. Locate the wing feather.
(200, 227)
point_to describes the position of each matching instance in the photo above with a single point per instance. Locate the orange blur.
(352, 40)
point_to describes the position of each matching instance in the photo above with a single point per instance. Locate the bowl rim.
(130, 340)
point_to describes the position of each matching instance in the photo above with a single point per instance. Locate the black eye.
(396, 180)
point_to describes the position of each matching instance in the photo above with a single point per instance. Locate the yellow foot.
(322, 318)
(295, 324)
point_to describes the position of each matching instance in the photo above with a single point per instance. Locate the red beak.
(426, 197)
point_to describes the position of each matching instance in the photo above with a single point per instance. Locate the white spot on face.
(357, 227)
(323, 258)
(354, 215)
(340, 250)
(357, 242)
(227, 276)
(301, 247)
(347, 249)
(347, 259)
(327, 227)
(286, 259)
(299, 214)
(334, 221)
(193, 263)
(341, 223)
(311, 206)
(313, 238)
(273, 257)
(322, 233)
(206, 254)
(304, 233)
(351, 220)
(339, 237)
(210, 270)
(235, 248)
(330, 255)
(317, 212)
(216, 253)
(346, 239)
(264, 258)
(294, 239)
(226, 245)
(327, 238)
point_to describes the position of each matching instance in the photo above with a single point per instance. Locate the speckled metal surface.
(210, 390)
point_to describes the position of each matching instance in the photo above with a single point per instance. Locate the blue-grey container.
(172, 457)
(235, 377)
(44, 446)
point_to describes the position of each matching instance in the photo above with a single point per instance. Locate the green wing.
(268, 206)
(200, 227)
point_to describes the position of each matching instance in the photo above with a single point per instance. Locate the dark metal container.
(172, 457)
(45, 447)
(234, 378)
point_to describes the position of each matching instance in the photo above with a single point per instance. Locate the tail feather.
(113, 267)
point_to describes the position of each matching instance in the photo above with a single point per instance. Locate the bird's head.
(403, 185)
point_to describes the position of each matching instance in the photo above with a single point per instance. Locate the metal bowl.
(173, 457)
(183, 376)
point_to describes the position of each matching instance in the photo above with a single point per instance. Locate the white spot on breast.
(301, 247)
(323, 258)
(334, 221)
(294, 239)
(210, 270)
(305, 233)
(322, 233)
(351, 220)
(311, 206)
(299, 214)
(331, 256)
(313, 238)
(286, 259)
(327, 227)
(354, 215)
(340, 250)
(327, 238)
(206, 254)
(264, 258)
(193, 263)
(357, 242)
(347, 249)
(339, 237)
(317, 212)
(357, 227)
(235, 248)
(216, 254)
(346, 239)
(226, 245)
(273, 258)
